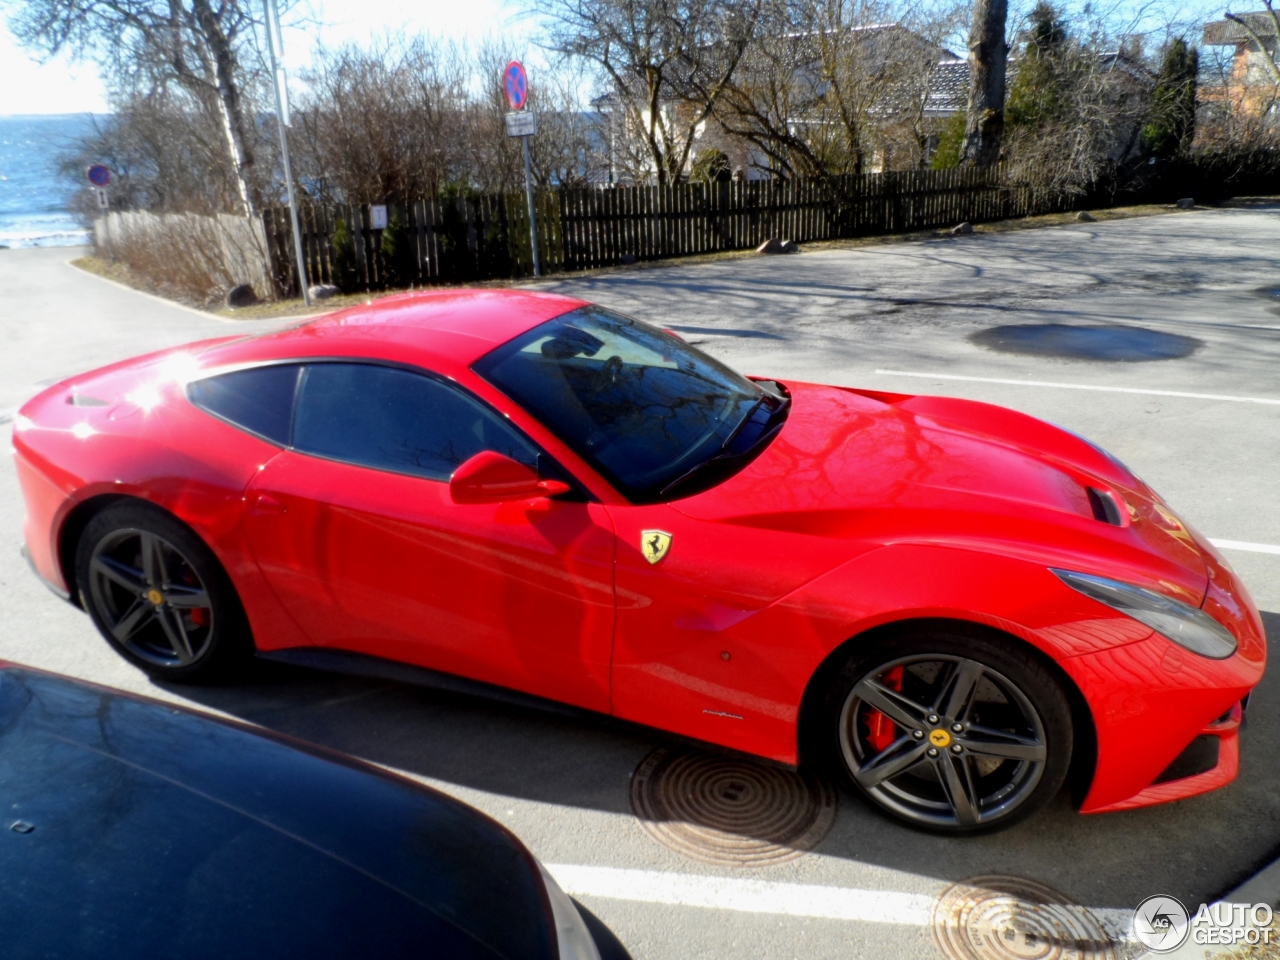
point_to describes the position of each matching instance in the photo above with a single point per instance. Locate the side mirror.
(489, 477)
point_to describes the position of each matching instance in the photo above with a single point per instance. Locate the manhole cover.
(1007, 918)
(1110, 342)
(733, 812)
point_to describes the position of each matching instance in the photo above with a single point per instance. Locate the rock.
(1187, 203)
(1084, 216)
(777, 245)
(627, 259)
(241, 295)
(962, 229)
(323, 291)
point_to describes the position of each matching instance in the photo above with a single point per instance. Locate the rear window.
(258, 400)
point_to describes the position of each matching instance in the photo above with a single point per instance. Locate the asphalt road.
(842, 317)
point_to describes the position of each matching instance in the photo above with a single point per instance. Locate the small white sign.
(522, 124)
(103, 202)
(378, 216)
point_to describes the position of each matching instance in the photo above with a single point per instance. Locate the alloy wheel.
(943, 741)
(150, 599)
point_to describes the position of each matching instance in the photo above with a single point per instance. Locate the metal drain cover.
(1008, 918)
(719, 809)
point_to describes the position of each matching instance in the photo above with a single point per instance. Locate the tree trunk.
(988, 55)
(230, 104)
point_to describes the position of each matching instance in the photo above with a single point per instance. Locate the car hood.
(894, 468)
(143, 830)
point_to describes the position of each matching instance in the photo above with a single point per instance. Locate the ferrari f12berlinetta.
(954, 605)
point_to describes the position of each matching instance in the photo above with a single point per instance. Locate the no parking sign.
(515, 82)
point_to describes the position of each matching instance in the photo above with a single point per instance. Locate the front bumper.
(1150, 701)
(1224, 735)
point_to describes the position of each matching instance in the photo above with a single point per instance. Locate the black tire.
(975, 733)
(158, 595)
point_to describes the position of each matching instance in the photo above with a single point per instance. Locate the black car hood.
(157, 832)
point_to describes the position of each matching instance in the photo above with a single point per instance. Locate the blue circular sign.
(516, 84)
(99, 175)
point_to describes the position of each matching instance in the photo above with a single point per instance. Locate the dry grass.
(1259, 951)
(186, 257)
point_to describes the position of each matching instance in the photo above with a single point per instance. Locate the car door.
(355, 530)
(702, 646)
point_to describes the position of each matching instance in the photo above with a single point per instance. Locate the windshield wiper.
(726, 457)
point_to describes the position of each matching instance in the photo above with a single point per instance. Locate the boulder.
(323, 291)
(962, 229)
(1084, 216)
(1187, 203)
(778, 245)
(241, 295)
(627, 259)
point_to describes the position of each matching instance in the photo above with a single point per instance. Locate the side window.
(258, 400)
(395, 420)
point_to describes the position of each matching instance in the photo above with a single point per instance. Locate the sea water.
(34, 196)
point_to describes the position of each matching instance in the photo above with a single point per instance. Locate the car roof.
(146, 823)
(442, 329)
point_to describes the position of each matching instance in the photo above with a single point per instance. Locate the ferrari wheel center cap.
(155, 596)
(940, 738)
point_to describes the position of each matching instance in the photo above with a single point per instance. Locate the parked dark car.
(135, 829)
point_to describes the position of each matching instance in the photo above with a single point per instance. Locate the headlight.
(1185, 625)
(572, 936)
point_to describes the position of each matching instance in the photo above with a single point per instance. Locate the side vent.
(1104, 507)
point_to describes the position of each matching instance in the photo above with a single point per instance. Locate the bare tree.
(988, 54)
(200, 45)
(667, 63)
(829, 84)
(166, 154)
(384, 122)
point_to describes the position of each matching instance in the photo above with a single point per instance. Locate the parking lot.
(1203, 428)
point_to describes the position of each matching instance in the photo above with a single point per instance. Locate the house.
(1250, 86)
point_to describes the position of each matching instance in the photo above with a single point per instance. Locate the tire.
(949, 730)
(159, 596)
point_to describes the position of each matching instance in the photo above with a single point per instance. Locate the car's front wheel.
(158, 595)
(950, 731)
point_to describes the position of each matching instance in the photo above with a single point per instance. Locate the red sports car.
(952, 604)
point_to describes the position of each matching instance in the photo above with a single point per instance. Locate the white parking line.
(772, 897)
(1079, 386)
(1244, 545)
(747, 896)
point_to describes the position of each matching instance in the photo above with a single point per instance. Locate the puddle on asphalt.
(1110, 342)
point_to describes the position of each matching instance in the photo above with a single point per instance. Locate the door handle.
(266, 505)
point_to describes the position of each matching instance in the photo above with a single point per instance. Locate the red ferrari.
(952, 604)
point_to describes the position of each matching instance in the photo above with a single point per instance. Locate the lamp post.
(275, 45)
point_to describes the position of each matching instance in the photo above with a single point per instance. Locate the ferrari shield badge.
(654, 544)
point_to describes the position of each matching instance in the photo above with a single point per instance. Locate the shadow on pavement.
(1195, 849)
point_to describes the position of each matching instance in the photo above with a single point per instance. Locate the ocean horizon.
(34, 197)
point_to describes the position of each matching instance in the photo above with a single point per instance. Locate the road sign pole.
(282, 121)
(533, 222)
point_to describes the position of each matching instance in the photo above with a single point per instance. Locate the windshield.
(641, 406)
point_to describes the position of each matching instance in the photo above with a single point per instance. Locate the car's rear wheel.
(158, 595)
(950, 731)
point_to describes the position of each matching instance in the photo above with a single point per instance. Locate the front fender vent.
(1104, 506)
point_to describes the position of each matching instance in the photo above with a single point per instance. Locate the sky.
(61, 86)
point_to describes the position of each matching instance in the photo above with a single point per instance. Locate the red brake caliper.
(881, 731)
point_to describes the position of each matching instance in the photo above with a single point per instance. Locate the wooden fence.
(486, 236)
